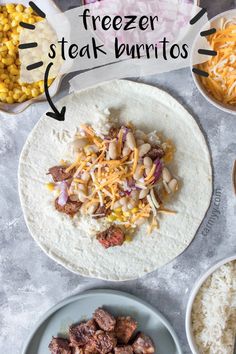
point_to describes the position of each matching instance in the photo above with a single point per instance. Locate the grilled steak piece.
(101, 212)
(111, 237)
(70, 208)
(156, 152)
(124, 329)
(77, 350)
(104, 342)
(59, 173)
(143, 344)
(104, 320)
(82, 333)
(113, 132)
(59, 346)
(126, 349)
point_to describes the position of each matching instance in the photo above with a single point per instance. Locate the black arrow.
(55, 114)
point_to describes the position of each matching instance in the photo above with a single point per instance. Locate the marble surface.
(30, 283)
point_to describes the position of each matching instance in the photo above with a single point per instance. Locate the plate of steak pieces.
(102, 322)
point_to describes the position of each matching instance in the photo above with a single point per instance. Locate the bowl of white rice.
(211, 310)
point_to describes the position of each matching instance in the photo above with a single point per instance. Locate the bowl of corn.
(218, 85)
(16, 96)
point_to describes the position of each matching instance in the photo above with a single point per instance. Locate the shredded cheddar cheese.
(221, 82)
(119, 188)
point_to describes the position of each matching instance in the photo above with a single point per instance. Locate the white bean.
(140, 221)
(126, 150)
(130, 139)
(155, 202)
(135, 195)
(85, 176)
(140, 142)
(91, 148)
(125, 208)
(74, 197)
(81, 187)
(143, 149)
(92, 208)
(140, 135)
(112, 150)
(173, 185)
(79, 144)
(143, 193)
(166, 175)
(147, 170)
(167, 188)
(131, 204)
(82, 196)
(123, 201)
(147, 161)
(116, 205)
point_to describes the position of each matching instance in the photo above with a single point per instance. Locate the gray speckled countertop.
(30, 283)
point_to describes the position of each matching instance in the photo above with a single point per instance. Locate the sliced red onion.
(63, 197)
(158, 170)
(126, 130)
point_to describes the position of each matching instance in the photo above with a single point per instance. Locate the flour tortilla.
(148, 108)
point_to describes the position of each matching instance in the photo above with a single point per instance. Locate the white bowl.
(194, 292)
(50, 8)
(215, 21)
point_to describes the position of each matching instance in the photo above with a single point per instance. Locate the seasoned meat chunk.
(156, 152)
(59, 173)
(77, 350)
(70, 208)
(143, 344)
(101, 212)
(105, 342)
(104, 320)
(126, 349)
(59, 346)
(111, 237)
(82, 333)
(113, 132)
(124, 329)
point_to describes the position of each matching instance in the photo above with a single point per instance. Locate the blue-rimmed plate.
(81, 307)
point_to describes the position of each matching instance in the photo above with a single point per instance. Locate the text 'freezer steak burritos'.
(119, 175)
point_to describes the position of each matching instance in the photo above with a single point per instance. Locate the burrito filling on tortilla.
(119, 174)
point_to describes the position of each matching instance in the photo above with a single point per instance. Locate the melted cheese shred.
(221, 82)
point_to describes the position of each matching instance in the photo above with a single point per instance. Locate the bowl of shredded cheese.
(219, 87)
(15, 96)
(211, 310)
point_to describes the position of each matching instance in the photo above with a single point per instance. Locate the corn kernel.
(50, 186)
(134, 210)
(19, 8)
(11, 90)
(128, 238)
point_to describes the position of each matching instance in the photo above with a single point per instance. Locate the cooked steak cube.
(143, 344)
(59, 346)
(105, 342)
(111, 237)
(113, 132)
(126, 349)
(156, 152)
(77, 350)
(59, 173)
(70, 208)
(124, 329)
(101, 212)
(82, 333)
(104, 320)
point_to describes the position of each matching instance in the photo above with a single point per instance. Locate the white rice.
(214, 312)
